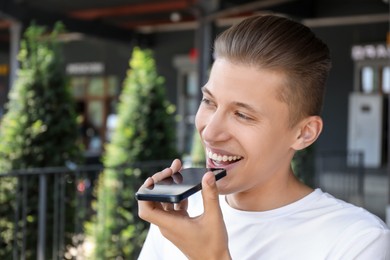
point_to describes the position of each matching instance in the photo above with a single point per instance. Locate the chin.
(223, 186)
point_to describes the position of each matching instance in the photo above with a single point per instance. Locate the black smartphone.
(179, 186)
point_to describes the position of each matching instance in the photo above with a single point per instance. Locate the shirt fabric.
(317, 226)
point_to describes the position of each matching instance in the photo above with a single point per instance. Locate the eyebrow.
(205, 90)
(238, 104)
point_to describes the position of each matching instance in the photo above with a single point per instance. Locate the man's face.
(244, 127)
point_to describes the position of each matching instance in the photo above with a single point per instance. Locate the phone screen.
(178, 186)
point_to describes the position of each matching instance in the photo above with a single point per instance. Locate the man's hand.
(201, 237)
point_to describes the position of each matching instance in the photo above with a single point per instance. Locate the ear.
(308, 131)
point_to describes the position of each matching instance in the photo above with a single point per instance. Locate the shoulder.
(361, 234)
(356, 228)
(351, 232)
(346, 214)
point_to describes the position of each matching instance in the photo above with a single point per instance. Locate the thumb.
(210, 193)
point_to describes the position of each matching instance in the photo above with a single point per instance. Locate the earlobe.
(309, 131)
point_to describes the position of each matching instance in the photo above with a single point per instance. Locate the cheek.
(259, 143)
(253, 142)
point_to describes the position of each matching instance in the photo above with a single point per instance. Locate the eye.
(206, 101)
(243, 116)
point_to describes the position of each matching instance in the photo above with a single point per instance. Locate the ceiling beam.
(251, 6)
(4, 24)
(25, 14)
(347, 20)
(155, 22)
(133, 9)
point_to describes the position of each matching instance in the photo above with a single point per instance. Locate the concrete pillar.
(15, 37)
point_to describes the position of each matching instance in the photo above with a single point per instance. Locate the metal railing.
(51, 201)
(341, 173)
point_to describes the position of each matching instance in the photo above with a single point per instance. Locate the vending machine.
(368, 104)
(365, 127)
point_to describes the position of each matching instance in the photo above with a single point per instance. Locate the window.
(187, 101)
(367, 80)
(95, 96)
(386, 80)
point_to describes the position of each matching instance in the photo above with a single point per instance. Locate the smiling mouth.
(220, 159)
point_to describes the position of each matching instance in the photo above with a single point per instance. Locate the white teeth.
(222, 158)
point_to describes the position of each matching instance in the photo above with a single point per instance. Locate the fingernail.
(148, 180)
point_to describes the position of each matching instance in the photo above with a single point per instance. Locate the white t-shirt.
(318, 226)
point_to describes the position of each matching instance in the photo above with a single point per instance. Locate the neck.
(270, 196)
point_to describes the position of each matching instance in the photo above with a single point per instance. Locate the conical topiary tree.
(38, 130)
(198, 156)
(303, 165)
(145, 131)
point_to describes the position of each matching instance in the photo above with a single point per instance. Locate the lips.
(222, 159)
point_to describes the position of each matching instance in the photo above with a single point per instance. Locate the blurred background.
(351, 158)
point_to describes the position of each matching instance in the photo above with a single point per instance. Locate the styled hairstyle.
(281, 44)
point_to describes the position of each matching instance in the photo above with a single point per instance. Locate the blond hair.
(281, 44)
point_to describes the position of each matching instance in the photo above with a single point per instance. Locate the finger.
(156, 214)
(168, 206)
(177, 178)
(210, 193)
(148, 182)
(182, 205)
(176, 165)
(167, 172)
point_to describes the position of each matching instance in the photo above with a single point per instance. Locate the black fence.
(341, 173)
(49, 208)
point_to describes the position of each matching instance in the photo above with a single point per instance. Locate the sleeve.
(366, 245)
(151, 250)
(378, 247)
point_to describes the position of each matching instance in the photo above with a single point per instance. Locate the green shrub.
(38, 130)
(145, 131)
(198, 156)
(303, 165)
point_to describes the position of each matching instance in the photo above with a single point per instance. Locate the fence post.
(42, 217)
(361, 176)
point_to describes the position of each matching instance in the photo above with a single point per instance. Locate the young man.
(261, 104)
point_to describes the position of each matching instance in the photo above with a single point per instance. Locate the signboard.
(85, 68)
(370, 51)
(4, 69)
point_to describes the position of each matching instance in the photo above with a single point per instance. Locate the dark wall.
(4, 80)
(168, 45)
(115, 55)
(340, 39)
(4, 57)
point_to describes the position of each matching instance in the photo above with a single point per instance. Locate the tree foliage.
(39, 128)
(198, 155)
(145, 131)
(303, 165)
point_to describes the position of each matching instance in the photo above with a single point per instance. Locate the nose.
(215, 128)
